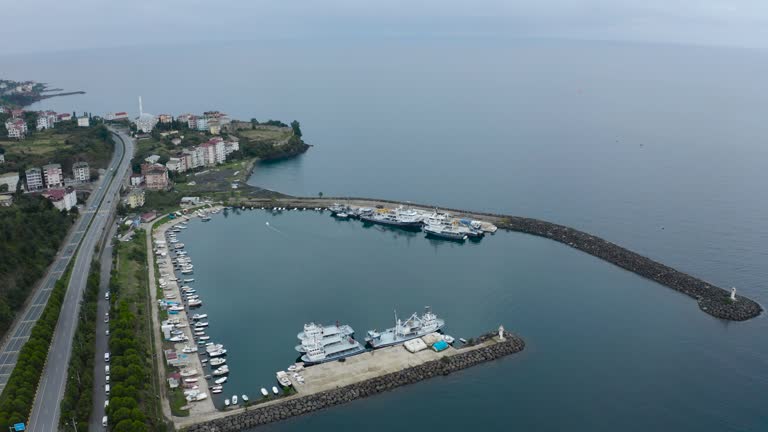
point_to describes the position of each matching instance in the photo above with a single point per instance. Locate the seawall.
(710, 298)
(467, 357)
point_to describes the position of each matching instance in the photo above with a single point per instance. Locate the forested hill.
(31, 232)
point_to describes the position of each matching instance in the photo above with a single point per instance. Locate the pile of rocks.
(295, 407)
(712, 299)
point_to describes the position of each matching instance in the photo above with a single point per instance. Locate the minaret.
(141, 110)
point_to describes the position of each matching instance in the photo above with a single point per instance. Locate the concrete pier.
(360, 376)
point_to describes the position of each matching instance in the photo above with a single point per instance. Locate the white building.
(231, 147)
(145, 122)
(83, 121)
(137, 180)
(53, 175)
(175, 164)
(17, 128)
(81, 172)
(10, 179)
(34, 178)
(62, 199)
(201, 124)
(152, 159)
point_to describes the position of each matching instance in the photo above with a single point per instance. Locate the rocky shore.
(466, 357)
(710, 298)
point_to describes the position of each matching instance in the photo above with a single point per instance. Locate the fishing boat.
(223, 370)
(199, 316)
(313, 330)
(218, 361)
(217, 353)
(221, 380)
(413, 327)
(445, 232)
(264, 392)
(283, 379)
(317, 352)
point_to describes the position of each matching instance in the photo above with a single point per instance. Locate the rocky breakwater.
(485, 348)
(711, 299)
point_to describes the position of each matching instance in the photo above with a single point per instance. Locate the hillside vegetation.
(31, 232)
(65, 144)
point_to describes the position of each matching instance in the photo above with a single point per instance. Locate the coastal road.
(46, 410)
(102, 340)
(19, 333)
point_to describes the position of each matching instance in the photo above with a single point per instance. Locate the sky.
(55, 25)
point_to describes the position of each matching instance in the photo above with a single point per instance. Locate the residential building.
(156, 177)
(34, 178)
(17, 128)
(146, 122)
(231, 146)
(17, 113)
(183, 118)
(174, 164)
(62, 199)
(83, 121)
(165, 118)
(65, 117)
(11, 180)
(191, 121)
(122, 115)
(81, 172)
(135, 198)
(190, 200)
(136, 180)
(46, 120)
(53, 175)
(201, 124)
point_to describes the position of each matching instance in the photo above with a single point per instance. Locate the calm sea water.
(658, 148)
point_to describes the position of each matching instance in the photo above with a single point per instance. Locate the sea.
(659, 148)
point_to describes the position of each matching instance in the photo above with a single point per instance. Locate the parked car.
(106, 357)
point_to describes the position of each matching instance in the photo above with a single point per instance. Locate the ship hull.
(457, 237)
(377, 343)
(405, 225)
(333, 357)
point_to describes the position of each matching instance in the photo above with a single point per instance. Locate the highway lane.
(101, 342)
(46, 409)
(19, 333)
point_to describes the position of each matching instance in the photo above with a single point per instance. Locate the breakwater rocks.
(711, 298)
(466, 357)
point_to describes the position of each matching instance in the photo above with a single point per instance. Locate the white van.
(107, 379)
(104, 421)
(106, 369)
(106, 389)
(106, 357)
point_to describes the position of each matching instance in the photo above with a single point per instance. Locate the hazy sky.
(48, 25)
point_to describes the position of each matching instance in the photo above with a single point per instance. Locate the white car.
(107, 379)
(104, 419)
(106, 357)
(106, 295)
(106, 332)
(106, 369)
(106, 403)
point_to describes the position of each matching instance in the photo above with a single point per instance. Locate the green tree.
(296, 128)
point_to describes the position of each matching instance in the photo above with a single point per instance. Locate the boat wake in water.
(274, 229)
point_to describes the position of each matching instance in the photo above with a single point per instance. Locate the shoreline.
(710, 298)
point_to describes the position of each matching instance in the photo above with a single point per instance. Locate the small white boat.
(245, 398)
(448, 339)
(201, 324)
(275, 390)
(199, 333)
(216, 391)
(283, 379)
(221, 380)
(462, 340)
(199, 316)
(188, 349)
(226, 402)
(189, 372)
(234, 400)
(190, 380)
(204, 338)
(218, 361)
(189, 280)
(217, 387)
(204, 361)
(264, 392)
(201, 396)
(195, 303)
